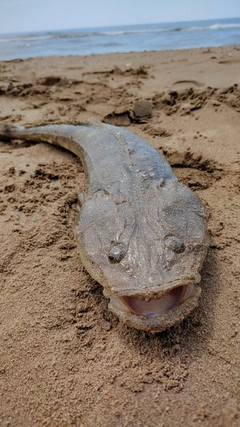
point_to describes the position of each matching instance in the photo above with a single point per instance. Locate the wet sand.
(65, 359)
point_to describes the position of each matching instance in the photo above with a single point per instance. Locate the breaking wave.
(110, 33)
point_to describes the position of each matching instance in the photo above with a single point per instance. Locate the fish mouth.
(153, 308)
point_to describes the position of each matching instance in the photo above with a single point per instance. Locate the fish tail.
(9, 131)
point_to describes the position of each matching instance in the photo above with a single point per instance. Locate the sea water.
(131, 38)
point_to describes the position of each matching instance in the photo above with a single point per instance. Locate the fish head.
(146, 251)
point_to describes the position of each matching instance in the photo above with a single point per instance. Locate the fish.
(140, 233)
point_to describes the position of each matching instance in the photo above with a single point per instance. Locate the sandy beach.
(65, 359)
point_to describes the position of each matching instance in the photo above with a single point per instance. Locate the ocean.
(131, 38)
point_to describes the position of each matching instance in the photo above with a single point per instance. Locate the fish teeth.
(118, 303)
(189, 290)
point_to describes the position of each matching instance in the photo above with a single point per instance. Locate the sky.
(38, 15)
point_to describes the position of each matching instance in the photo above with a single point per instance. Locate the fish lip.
(160, 322)
(154, 291)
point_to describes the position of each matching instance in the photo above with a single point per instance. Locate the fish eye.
(116, 253)
(174, 244)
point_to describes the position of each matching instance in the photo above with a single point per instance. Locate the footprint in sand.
(187, 84)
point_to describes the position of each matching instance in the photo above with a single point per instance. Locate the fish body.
(141, 233)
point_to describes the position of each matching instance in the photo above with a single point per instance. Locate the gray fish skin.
(141, 234)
